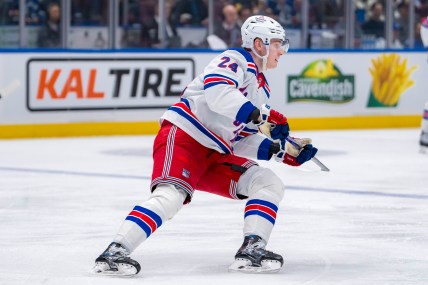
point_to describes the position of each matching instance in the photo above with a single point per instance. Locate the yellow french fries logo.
(391, 78)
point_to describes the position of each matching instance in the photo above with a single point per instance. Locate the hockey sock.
(259, 218)
(146, 218)
(264, 190)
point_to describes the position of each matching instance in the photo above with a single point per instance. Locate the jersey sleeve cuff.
(245, 112)
(263, 152)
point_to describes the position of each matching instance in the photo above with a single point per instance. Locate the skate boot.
(114, 261)
(252, 257)
(424, 141)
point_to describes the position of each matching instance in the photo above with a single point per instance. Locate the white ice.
(365, 222)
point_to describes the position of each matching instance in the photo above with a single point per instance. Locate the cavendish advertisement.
(321, 81)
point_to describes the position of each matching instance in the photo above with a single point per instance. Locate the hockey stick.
(314, 159)
(10, 88)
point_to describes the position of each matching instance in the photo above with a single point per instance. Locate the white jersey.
(216, 105)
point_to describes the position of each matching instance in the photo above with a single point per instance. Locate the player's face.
(276, 50)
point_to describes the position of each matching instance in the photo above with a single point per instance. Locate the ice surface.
(365, 222)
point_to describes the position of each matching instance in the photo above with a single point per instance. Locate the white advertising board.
(68, 87)
(104, 83)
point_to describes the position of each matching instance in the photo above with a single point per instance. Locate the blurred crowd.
(139, 20)
(370, 21)
(328, 15)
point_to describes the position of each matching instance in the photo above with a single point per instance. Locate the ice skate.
(423, 142)
(252, 257)
(114, 261)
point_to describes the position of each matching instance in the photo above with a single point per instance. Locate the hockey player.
(424, 126)
(202, 144)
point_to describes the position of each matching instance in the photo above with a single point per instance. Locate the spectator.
(190, 12)
(360, 11)
(84, 12)
(150, 30)
(296, 14)
(244, 3)
(50, 34)
(9, 12)
(218, 9)
(375, 25)
(147, 9)
(229, 30)
(421, 8)
(331, 12)
(269, 12)
(36, 11)
(403, 21)
(418, 39)
(340, 30)
(397, 31)
(261, 7)
(244, 14)
(284, 11)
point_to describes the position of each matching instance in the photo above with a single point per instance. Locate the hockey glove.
(272, 123)
(294, 156)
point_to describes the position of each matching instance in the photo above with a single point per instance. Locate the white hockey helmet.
(266, 29)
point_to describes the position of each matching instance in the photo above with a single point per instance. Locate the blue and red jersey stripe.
(245, 133)
(182, 109)
(213, 79)
(251, 67)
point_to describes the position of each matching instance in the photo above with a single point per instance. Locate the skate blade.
(123, 270)
(423, 149)
(244, 266)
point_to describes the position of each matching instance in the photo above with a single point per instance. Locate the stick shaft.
(313, 159)
(320, 164)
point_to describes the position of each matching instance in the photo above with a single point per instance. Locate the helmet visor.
(282, 45)
(285, 45)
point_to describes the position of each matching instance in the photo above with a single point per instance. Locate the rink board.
(79, 93)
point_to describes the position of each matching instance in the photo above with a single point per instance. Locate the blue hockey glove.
(272, 123)
(296, 155)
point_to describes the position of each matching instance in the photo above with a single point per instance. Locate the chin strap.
(264, 58)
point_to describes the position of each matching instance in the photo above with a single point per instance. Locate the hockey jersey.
(215, 106)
